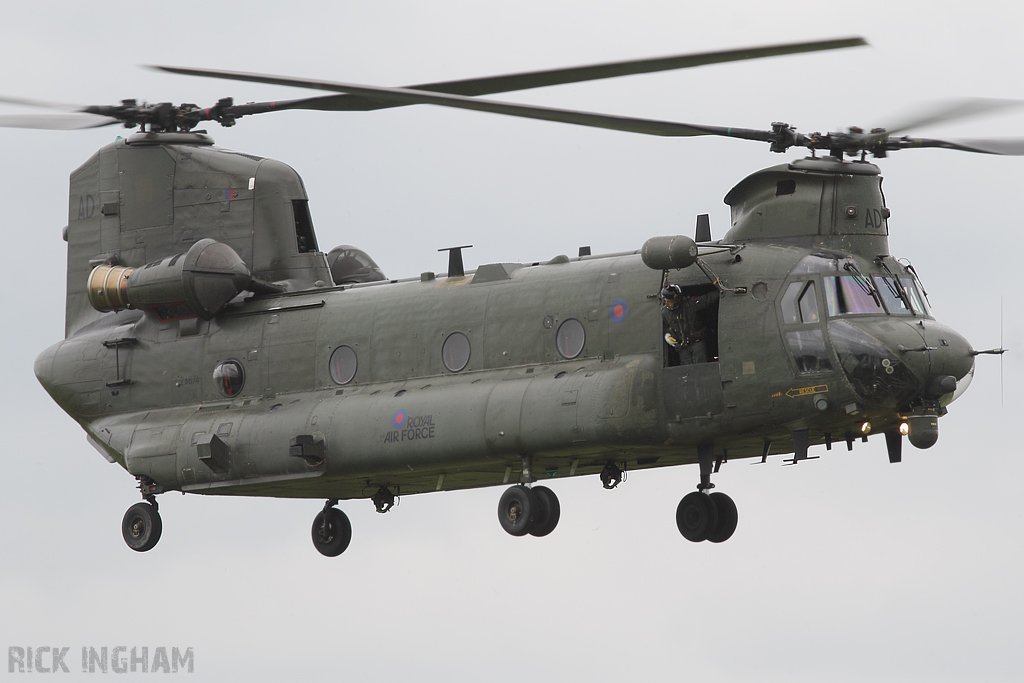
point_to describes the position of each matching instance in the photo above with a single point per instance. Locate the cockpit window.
(918, 301)
(818, 262)
(851, 295)
(892, 296)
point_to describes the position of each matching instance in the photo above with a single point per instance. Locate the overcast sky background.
(844, 568)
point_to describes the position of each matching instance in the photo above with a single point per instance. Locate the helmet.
(671, 292)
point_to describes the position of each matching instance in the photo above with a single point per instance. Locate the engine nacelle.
(196, 283)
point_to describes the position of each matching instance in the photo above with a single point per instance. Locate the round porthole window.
(343, 365)
(569, 338)
(229, 378)
(455, 352)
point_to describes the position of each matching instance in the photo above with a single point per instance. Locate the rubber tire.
(548, 511)
(141, 527)
(696, 516)
(338, 533)
(727, 517)
(516, 510)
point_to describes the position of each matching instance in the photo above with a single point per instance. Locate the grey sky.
(842, 568)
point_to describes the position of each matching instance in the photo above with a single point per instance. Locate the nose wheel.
(703, 516)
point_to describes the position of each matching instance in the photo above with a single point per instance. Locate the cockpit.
(830, 302)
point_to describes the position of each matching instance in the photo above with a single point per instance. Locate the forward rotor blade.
(537, 79)
(954, 110)
(41, 104)
(474, 87)
(1001, 146)
(402, 96)
(72, 121)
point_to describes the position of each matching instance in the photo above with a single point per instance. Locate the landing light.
(865, 428)
(904, 428)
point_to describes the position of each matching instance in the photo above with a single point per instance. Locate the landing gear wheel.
(516, 509)
(727, 517)
(141, 527)
(548, 511)
(696, 516)
(332, 532)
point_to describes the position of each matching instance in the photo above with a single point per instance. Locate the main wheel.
(141, 527)
(696, 516)
(548, 511)
(516, 510)
(331, 533)
(727, 517)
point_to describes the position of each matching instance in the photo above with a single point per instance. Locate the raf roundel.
(618, 310)
(398, 420)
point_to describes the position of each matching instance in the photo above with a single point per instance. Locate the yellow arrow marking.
(807, 391)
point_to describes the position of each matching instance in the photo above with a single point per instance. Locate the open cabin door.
(691, 378)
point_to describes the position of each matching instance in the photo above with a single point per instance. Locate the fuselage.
(788, 358)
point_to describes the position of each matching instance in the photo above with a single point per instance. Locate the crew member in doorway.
(685, 331)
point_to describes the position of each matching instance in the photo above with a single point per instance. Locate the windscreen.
(851, 295)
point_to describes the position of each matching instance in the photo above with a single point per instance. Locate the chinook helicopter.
(211, 347)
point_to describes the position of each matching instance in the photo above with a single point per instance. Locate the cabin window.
(455, 351)
(229, 377)
(304, 236)
(851, 295)
(809, 351)
(784, 187)
(570, 338)
(343, 365)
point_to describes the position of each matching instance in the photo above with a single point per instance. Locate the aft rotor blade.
(72, 121)
(400, 96)
(954, 110)
(489, 85)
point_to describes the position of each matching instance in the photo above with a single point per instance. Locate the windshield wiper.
(895, 286)
(917, 279)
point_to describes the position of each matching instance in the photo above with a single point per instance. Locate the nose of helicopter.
(892, 362)
(948, 353)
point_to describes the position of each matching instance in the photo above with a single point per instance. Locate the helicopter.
(211, 347)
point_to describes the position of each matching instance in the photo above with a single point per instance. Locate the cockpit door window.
(809, 351)
(799, 303)
(807, 342)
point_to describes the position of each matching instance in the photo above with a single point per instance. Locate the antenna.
(455, 267)
(703, 233)
(1001, 349)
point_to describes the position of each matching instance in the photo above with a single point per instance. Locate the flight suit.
(683, 323)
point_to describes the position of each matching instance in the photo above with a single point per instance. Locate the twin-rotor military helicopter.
(212, 347)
